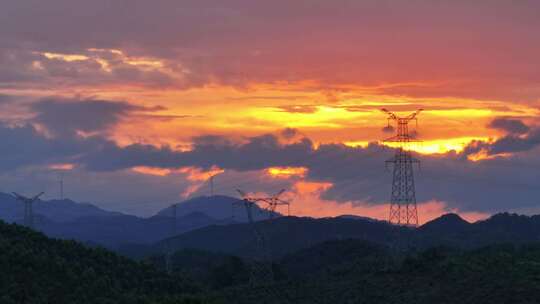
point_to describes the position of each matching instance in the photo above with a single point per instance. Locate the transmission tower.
(61, 183)
(212, 185)
(261, 270)
(28, 210)
(403, 209)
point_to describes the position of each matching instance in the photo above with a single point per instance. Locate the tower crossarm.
(413, 115)
(37, 196)
(28, 211)
(393, 116)
(19, 197)
(25, 199)
(390, 114)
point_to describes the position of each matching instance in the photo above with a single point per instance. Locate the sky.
(136, 104)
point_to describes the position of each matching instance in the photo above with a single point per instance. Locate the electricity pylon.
(61, 184)
(28, 210)
(212, 185)
(261, 270)
(403, 209)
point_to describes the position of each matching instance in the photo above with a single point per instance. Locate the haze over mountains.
(85, 222)
(219, 224)
(320, 260)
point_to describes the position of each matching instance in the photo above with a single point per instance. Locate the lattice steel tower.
(403, 209)
(28, 208)
(261, 271)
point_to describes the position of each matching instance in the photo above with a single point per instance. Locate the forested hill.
(36, 269)
(353, 271)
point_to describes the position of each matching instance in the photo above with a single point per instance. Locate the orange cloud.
(65, 166)
(197, 175)
(306, 200)
(151, 171)
(192, 173)
(198, 178)
(286, 172)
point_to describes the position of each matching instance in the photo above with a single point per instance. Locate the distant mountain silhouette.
(357, 217)
(284, 235)
(451, 230)
(64, 210)
(289, 234)
(87, 223)
(212, 223)
(112, 231)
(218, 207)
(447, 223)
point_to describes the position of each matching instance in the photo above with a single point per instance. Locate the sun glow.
(286, 172)
(439, 146)
(436, 146)
(65, 57)
(306, 116)
(62, 167)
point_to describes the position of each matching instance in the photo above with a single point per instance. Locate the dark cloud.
(509, 125)
(356, 173)
(63, 116)
(257, 153)
(511, 143)
(110, 157)
(23, 67)
(24, 145)
(289, 133)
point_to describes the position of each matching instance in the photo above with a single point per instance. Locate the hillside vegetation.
(36, 269)
(368, 274)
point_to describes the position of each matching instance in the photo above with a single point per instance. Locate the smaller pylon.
(28, 209)
(61, 183)
(270, 203)
(212, 185)
(261, 271)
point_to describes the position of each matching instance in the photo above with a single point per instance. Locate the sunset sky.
(139, 102)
